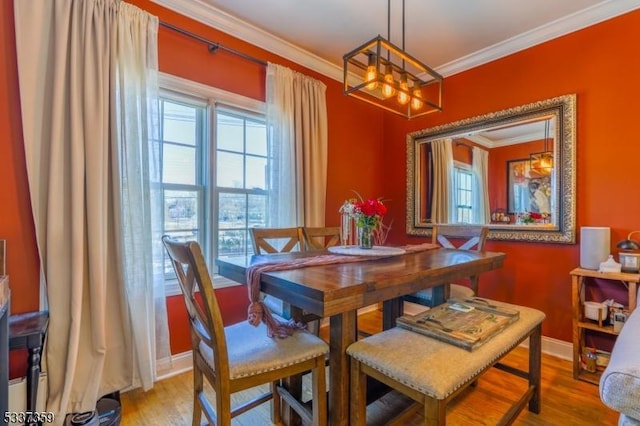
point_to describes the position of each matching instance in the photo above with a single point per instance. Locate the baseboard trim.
(177, 364)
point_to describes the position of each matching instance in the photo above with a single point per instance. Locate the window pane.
(232, 210)
(181, 210)
(257, 211)
(179, 123)
(179, 164)
(229, 170)
(230, 133)
(233, 243)
(256, 138)
(256, 173)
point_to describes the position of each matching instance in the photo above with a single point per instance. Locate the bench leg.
(535, 367)
(435, 412)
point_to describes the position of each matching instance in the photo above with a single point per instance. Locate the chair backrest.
(206, 319)
(319, 238)
(470, 235)
(267, 240)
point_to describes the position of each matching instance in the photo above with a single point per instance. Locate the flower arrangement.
(533, 217)
(368, 216)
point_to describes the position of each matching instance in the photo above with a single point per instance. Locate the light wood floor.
(564, 401)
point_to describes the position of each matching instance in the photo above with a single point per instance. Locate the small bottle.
(591, 361)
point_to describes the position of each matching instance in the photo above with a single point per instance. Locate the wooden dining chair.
(277, 240)
(241, 356)
(319, 238)
(467, 237)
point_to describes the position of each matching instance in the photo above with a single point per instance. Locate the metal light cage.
(542, 162)
(426, 84)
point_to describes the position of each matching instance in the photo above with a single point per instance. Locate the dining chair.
(241, 356)
(277, 240)
(319, 238)
(467, 237)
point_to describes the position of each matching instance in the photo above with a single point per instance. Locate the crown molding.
(207, 14)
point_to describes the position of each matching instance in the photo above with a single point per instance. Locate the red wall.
(367, 148)
(600, 65)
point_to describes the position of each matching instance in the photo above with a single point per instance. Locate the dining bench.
(432, 372)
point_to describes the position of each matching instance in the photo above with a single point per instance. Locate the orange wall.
(367, 147)
(600, 65)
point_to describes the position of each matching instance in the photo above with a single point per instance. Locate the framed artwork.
(527, 191)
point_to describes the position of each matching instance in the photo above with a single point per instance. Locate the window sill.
(172, 288)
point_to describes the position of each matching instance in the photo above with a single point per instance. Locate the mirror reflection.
(513, 170)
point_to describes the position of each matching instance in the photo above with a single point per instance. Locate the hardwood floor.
(564, 401)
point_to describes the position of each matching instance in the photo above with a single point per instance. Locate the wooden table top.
(331, 289)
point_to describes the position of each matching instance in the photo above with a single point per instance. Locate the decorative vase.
(365, 235)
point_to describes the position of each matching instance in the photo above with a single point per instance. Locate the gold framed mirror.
(513, 170)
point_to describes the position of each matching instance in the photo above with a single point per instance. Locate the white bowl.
(591, 310)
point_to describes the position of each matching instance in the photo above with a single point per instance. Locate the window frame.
(178, 88)
(464, 168)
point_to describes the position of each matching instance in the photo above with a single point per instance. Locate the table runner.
(258, 312)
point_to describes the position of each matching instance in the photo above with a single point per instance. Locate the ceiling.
(447, 35)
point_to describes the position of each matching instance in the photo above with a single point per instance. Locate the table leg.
(342, 333)
(391, 309)
(33, 376)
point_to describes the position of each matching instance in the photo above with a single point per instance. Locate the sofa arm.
(620, 381)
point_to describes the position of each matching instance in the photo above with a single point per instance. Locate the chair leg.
(435, 412)
(319, 393)
(197, 389)
(276, 413)
(358, 395)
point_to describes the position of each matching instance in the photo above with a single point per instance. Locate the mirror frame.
(563, 108)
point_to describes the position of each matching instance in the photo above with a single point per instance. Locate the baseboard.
(18, 395)
(177, 364)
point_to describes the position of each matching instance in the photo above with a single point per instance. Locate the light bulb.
(416, 100)
(389, 86)
(403, 96)
(371, 74)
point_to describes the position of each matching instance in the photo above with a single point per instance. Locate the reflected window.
(463, 193)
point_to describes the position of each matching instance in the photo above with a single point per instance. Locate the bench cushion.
(435, 368)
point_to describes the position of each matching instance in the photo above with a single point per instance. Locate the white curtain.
(481, 211)
(297, 123)
(443, 202)
(87, 73)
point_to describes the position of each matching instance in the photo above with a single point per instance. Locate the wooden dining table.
(338, 290)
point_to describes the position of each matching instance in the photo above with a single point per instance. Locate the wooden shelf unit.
(581, 324)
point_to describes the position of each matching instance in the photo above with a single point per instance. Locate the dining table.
(338, 290)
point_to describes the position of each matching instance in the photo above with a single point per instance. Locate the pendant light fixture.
(385, 75)
(542, 162)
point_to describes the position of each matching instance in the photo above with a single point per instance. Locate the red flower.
(534, 215)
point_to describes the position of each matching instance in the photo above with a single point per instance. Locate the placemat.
(466, 324)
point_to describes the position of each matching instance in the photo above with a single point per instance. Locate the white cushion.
(435, 368)
(252, 352)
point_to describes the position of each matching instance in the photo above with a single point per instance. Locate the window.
(241, 180)
(463, 190)
(214, 163)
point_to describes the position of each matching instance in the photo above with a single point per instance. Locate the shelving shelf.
(581, 324)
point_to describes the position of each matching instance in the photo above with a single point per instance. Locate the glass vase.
(365, 236)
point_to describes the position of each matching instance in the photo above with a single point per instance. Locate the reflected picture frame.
(519, 177)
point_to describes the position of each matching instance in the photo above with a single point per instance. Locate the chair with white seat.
(468, 237)
(241, 356)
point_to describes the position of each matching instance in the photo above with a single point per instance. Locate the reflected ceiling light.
(384, 75)
(542, 162)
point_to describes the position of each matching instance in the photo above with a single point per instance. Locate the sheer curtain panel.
(481, 211)
(87, 73)
(297, 126)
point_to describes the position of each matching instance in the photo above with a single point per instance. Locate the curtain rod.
(459, 142)
(213, 46)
